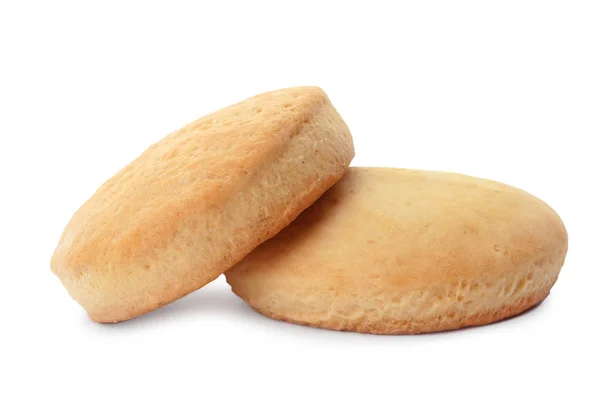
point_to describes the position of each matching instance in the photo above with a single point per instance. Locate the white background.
(504, 90)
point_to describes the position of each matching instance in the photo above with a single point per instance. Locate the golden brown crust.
(392, 251)
(199, 200)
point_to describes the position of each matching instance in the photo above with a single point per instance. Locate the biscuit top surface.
(184, 174)
(415, 229)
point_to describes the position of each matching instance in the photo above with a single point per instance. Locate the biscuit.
(392, 251)
(199, 200)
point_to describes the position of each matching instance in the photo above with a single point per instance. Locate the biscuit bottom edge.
(413, 327)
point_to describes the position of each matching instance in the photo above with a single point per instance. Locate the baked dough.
(393, 251)
(195, 203)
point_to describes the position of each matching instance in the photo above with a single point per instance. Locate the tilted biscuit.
(196, 202)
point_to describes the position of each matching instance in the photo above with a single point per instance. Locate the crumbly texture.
(195, 203)
(393, 251)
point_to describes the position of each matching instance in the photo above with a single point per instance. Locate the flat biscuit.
(196, 202)
(393, 251)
